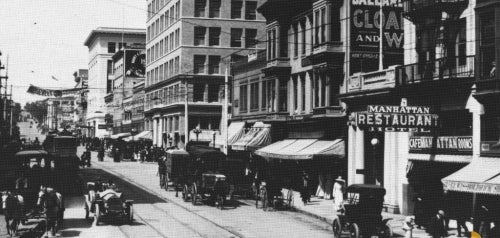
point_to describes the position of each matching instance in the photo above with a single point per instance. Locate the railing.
(332, 46)
(444, 68)
(278, 62)
(413, 5)
(372, 80)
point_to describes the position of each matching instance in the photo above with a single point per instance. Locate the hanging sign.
(396, 118)
(52, 93)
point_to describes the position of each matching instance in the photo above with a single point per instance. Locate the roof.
(111, 30)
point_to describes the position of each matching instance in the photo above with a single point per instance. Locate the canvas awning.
(303, 149)
(258, 136)
(145, 135)
(480, 176)
(120, 135)
(235, 131)
(441, 158)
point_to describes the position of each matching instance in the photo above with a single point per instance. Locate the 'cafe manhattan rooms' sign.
(396, 118)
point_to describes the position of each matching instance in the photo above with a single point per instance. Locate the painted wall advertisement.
(365, 34)
(135, 63)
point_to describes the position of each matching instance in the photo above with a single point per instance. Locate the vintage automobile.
(107, 203)
(176, 169)
(213, 188)
(361, 215)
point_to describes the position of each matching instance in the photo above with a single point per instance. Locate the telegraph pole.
(11, 110)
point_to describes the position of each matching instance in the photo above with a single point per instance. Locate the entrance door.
(374, 158)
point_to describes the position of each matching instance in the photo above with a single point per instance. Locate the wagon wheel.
(97, 215)
(185, 193)
(263, 197)
(166, 178)
(386, 232)
(220, 201)
(86, 211)
(131, 214)
(354, 230)
(337, 228)
(194, 193)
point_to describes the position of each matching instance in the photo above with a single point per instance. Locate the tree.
(37, 109)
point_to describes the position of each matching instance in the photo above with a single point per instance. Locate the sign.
(135, 63)
(396, 118)
(483, 188)
(490, 147)
(441, 144)
(52, 93)
(365, 34)
(102, 126)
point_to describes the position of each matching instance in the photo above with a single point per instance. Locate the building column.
(205, 93)
(276, 94)
(155, 131)
(327, 87)
(359, 156)
(351, 155)
(308, 93)
(160, 132)
(291, 96)
(320, 90)
(299, 95)
(314, 85)
(391, 171)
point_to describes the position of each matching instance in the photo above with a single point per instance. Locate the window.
(236, 7)
(250, 8)
(110, 67)
(268, 95)
(213, 93)
(149, 11)
(250, 38)
(214, 36)
(236, 37)
(199, 35)
(243, 98)
(168, 21)
(254, 96)
(177, 65)
(213, 64)
(153, 33)
(323, 25)
(177, 37)
(172, 17)
(161, 73)
(161, 48)
(177, 10)
(111, 47)
(199, 64)
(162, 21)
(199, 8)
(214, 9)
(198, 92)
(271, 44)
(171, 41)
(148, 56)
(303, 34)
(461, 48)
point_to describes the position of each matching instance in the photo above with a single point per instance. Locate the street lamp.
(197, 131)
(374, 143)
(213, 134)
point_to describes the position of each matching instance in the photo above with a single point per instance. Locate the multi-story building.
(62, 112)
(81, 79)
(187, 43)
(411, 123)
(292, 90)
(103, 43)
(128, 69)
(138, 107)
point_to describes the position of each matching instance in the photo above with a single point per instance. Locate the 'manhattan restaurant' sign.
(396, 118)
(365, 34)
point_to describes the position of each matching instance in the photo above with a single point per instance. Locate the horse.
(12, 205)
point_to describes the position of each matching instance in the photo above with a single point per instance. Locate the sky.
(45, 38)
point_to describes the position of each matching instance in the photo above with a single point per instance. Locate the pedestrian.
(408, 225)
(100, 153)
(51, 206)
(162, 170)
(60, 212)
(437, 226)
(338, 193)
(143, 154)
(304, 194)
(418, 211)
(461, 217)
(484, 220)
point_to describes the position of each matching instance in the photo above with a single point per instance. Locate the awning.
(441, 158)
(302, 149)
(257, 136)
(480, 176)
(145, 135)
(120, 135)
(236, 130)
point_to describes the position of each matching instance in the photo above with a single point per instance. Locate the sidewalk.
(318, 208)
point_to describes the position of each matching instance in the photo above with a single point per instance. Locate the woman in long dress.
(338, 193)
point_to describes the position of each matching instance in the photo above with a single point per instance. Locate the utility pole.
(11, 111)
(381, 42)
(226, 107)
(186, 117)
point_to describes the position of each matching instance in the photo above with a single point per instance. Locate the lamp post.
(374, 143)
(213, 134)
(197, 131)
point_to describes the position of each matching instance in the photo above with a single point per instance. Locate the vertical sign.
(365, 34)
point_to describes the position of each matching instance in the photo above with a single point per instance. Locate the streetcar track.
(124, 178)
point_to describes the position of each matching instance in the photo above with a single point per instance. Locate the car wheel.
(185, 193)
(86, 211)
(167, 176)
(336, 227)
(354, 231)
(386, 232)
(131, 214)
(194, 194)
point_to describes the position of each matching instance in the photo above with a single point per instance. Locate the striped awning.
(480, 176)
(258, 136)
(303, 149)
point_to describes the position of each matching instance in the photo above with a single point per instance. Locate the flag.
(54, 78)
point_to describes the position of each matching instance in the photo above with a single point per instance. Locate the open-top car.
(361, 215)
(105, 202)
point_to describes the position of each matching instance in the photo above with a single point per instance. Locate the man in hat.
(338, 193)
(437, 227)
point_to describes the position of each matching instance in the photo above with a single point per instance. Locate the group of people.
(17, 209)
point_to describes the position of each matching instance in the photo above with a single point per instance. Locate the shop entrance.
(374, 158)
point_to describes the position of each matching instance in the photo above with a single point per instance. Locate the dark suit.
(437, 227)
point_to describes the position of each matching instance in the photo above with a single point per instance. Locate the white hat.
(340, 179)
